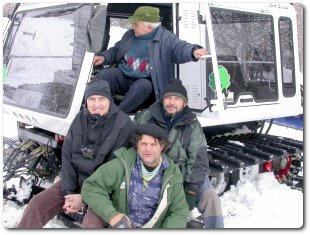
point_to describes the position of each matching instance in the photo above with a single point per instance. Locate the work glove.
(191, 196)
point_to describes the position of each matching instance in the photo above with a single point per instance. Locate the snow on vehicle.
(250, 75)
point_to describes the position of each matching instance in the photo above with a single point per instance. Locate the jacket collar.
(158, 34)
(128, 159)
(187, 117)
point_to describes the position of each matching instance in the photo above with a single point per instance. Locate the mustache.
(171, 106)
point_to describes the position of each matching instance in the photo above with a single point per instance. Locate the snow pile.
(22, 187)
(13, 213)
(268, 203)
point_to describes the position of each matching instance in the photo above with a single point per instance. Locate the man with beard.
(188, 150)
(141, 188)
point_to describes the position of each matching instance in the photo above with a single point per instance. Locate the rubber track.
(227, 153)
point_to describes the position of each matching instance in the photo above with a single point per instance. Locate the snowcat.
(250, 77)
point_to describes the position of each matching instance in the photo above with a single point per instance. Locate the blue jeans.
(135, 91)
(209, 205)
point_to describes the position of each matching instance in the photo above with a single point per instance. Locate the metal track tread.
(231, 152)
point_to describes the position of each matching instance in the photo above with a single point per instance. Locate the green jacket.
(106, 191)
(189, 145)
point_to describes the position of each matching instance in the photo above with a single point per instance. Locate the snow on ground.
(262, 203)
(259, 203)
(286, 132)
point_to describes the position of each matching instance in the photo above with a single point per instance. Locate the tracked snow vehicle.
(250, 75)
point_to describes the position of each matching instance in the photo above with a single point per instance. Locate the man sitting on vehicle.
(188, 150)
(141, 188)
(94, 134)
(145, 58)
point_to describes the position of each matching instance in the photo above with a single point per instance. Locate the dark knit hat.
(145, 14)
(98, 87)
(152, 130)
(175, 87)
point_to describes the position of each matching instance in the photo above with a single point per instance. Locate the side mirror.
(96, 29)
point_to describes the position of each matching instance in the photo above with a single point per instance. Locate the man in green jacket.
(188, 150)
(142, 187)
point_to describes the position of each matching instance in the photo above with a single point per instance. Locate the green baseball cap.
(145, 14)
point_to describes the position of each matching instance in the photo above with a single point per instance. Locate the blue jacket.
(165, 50)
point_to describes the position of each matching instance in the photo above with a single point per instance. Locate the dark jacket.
(106, 191)
(189, 145)
(165, 50)
(111, 132)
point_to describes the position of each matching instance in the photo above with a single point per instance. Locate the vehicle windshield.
(43, 55)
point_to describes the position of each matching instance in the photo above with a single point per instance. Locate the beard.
(173, 112)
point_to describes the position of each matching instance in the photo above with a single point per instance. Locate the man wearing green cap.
(145, 58)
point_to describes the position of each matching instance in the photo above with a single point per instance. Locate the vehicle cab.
(251, 71)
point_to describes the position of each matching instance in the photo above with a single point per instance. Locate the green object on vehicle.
(224, 77)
